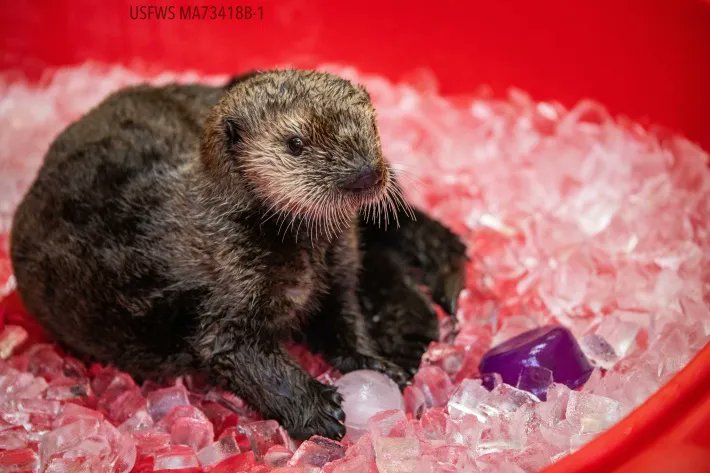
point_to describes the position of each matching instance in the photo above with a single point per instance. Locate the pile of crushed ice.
(570, 217)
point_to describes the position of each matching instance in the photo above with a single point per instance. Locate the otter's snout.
(365, 178)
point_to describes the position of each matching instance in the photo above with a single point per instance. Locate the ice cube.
(178, 412)
(176, 457)
(221, 417)
(414, 402)
(391, 423)
(578, 440)
(66, 437)
(454, 456)
(599, 351)
(94, 446)
(218, 452)
(37, 406)
(69, 389)
(241, 436)
(507, 467)
(591, 413)
(435, 384)
(74, 368)
(277, 455)
(21, 386)
(265, 434)
(102, 377)
(75, 465)
(696, 311)
(551, 347)
(564, 286)
(125, 453)
(139, 421)
(125, 405)
(618, 333)
(513, 326)
(194, 433)
(148, 442)
(365, 393)
(433, 426)
(241, 462)
(505, 400)
(162, 401)
(316, 452)
(394, 442)
(72, 412)
(363, 448)
(352, 465)
(116, 386)
(535, 380)
(467, 400)
(396, 454)
(553, 410)
(45, 362)
(670, 350)
(446, 356)
(465, 430)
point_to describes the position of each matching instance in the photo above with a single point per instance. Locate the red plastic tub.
(646, 59)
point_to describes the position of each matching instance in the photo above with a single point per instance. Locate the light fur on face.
(336, 121)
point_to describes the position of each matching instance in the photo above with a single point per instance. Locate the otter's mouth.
(365, 179)
(382, 202)
(367, 183)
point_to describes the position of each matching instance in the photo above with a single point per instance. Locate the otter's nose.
(366, 178)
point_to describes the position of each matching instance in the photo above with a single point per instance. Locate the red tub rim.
(672, 422)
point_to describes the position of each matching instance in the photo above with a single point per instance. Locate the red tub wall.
(648, 59)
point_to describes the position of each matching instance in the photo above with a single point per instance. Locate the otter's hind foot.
(400, 318)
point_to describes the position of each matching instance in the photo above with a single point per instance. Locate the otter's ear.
(232, 131)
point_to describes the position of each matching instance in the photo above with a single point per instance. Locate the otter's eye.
(295, 146)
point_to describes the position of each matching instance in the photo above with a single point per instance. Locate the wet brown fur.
(169, 231)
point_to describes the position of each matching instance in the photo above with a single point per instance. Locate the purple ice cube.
(551, 347)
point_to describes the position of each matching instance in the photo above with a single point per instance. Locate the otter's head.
(306, 145)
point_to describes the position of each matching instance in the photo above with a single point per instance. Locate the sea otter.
(188, 228)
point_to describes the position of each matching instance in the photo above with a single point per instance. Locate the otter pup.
(181, 229)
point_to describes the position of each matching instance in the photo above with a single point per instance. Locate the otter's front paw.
(322, 414)
(359, 361)
(394, 371)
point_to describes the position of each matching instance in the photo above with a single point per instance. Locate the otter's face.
(308, 145)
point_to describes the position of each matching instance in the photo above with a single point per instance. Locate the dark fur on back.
(170, 230)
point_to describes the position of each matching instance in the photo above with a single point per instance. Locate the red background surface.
(647, 59)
